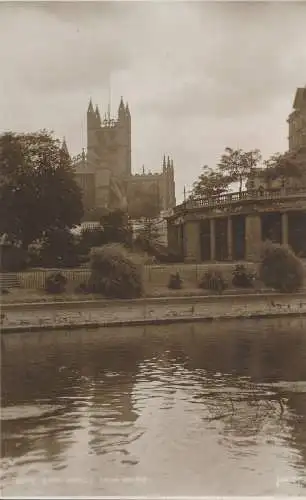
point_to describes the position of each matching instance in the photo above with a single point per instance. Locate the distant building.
(297, 122)
(104, 172)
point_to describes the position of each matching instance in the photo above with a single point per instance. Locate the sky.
(198, 76)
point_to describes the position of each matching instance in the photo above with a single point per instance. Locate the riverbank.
(25, 317)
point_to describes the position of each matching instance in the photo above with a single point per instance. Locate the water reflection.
(189, 409)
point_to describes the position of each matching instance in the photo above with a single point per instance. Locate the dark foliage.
(59, 248)
(238, 165)
(12, 258)
(116, 228)
(91, 238)
(281, 269)
(210, 183)
(175, 281)
(38, 192)
(242, 278)
(114, 273)
(56, 283)
(160, 252)
(82, 288)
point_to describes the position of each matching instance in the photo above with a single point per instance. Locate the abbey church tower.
(108, 164)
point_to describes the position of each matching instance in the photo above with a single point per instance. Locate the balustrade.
(228, 198)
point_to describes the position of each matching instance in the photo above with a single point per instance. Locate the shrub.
(213, 280)
(13, 258)
(82, 288)
(58, 248)
(55, 283)
(175, 281)
(91, 238)
(281, 269)
(242, 278)
(161, 252)
(115, 272)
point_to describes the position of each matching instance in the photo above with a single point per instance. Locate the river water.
(202, 409)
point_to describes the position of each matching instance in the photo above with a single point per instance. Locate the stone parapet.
(72, 315)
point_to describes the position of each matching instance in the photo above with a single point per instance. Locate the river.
(201, 409)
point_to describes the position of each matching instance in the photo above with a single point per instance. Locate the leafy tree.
(116, 228)
(95, 214)
(59, 249)
(38, 192)
(91, 237)
(283, 166)
(238, 165)
(148, 235)
(210, 183)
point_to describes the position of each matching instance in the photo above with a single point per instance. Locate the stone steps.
(9, 280)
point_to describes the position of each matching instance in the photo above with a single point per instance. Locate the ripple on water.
(185, 415)
(27, 411)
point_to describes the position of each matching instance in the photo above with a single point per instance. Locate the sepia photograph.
(153, 249)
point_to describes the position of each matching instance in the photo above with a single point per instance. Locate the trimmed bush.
(281, 269)
(242, 278)
(175, 282)
(213, 280)
(55, 283)
(82, 288)
(115, 273)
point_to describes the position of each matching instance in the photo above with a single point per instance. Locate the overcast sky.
(198, 76)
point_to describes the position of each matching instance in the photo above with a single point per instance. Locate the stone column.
(212, 239)
(285, 228)
(229, 238)
(253, 237)
(172, 236)
(192, 248)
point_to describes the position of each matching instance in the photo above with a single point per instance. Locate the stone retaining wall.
(26, 317)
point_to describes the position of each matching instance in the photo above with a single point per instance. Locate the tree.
(38, 192)
(59, 249)
(148, 235)
(210, 183)
(238, 165)
(116, 228)
(283, 166)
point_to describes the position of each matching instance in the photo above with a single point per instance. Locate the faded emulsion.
(187, 409)
(153, 248)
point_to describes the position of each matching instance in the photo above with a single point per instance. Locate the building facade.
(297, 122)
(296, 147)
(234, 226)
(104, 171)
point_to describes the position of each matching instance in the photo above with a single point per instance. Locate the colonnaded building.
(233, 226)
(104, 171)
